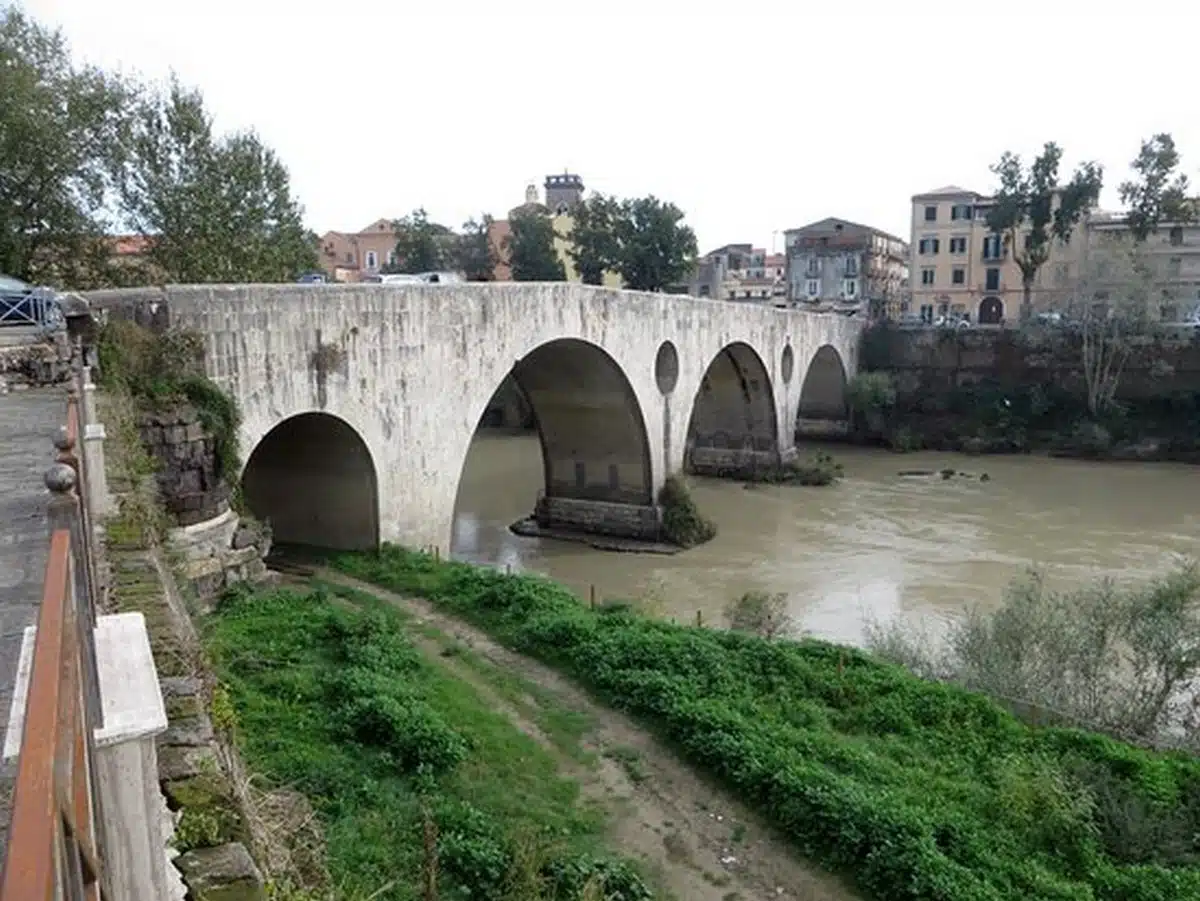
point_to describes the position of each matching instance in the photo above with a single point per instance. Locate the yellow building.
(959, 268)
(563, 192)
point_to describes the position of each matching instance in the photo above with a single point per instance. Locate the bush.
(921, 790)
(820, 469)
(682, 521)
(1123, 662)
(871, 392)
(761, 614)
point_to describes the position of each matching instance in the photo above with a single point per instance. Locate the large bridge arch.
(734, 420)
(312, 478)
(824, 404)
(597, 466)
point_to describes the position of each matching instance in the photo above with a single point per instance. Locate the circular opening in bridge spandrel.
(666, 367)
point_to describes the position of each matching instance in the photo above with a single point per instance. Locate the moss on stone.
(207, 802)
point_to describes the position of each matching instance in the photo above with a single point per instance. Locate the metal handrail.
(38, 307)
(55, 846)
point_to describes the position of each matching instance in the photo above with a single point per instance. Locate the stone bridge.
(359, 402)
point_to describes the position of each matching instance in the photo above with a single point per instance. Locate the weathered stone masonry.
(418, 365)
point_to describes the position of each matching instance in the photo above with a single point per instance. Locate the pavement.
(28, 422)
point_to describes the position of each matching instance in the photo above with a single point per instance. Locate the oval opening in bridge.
(312, 479)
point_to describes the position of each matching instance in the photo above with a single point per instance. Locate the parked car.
(312, 278)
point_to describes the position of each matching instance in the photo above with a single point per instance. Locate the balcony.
(999, 288)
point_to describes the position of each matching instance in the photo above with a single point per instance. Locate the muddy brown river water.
(878, 544)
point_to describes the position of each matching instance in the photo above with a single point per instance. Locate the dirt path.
(702, 843)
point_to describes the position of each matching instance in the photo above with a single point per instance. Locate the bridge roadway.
(28, 422)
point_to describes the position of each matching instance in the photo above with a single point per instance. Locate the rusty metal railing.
(55, 838)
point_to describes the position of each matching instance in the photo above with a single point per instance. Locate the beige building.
(1171, 257)
(959, 268)
(348, 256)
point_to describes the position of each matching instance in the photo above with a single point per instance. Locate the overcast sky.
(751, 116)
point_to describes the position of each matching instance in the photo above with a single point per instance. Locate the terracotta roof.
(129, 245)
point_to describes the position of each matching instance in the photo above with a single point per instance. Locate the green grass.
(332, 699)
(916, 790)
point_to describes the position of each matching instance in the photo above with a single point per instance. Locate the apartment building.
(348, 256)
(960, 268)
(739, 272)
(1171, 256)
(846, 266)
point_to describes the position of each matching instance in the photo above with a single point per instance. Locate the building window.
(927, 312)
(960, 211)
(1173, 265)
(812, 288)
(850, 288)
(1062, 274)
(851, 267)
(993, 247)
(928, 246)
(1176, 236)
(814, 267)
(926, 276)
(372, 260)
(958, 245)
(931, 213)
(958, 276)
(1168, 312)
(991, 280)
(391, 258)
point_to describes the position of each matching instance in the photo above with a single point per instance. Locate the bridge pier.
(719, 456)
(636, 522)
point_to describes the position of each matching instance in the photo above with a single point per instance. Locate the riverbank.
(414, 772)
(846, 755)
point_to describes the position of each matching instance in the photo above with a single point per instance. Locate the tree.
(656, 249)
(421, 245)
(474, 255)
(59, 133)
(213, 209)
(595, 242)
(1110, 304)
(1025, 214)
(1157, 193)
(530, 247)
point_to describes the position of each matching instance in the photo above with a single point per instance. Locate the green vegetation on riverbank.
(915, 789)
(819, 469)
(400, 758)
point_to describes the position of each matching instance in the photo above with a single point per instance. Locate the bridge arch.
(823, 393)
(733, 413)
(313, 479)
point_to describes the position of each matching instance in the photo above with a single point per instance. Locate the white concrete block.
(129, 691)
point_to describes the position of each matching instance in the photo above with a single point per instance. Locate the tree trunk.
(1026, 298)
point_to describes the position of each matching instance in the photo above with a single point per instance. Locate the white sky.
(752, 116)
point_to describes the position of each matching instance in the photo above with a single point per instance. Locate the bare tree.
(1110, 304)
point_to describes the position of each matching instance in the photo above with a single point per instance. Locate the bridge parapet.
(86, 818)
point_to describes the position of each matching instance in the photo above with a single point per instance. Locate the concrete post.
(99, 499)
(131, 801)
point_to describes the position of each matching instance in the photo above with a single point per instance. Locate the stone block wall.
(599, 517)
(189, 482)
(932, 361)
(731, 463)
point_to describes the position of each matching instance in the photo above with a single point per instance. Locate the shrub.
(682, 521)
(761, 614)
(871, 392)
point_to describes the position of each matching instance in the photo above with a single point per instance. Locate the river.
(877, 544)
